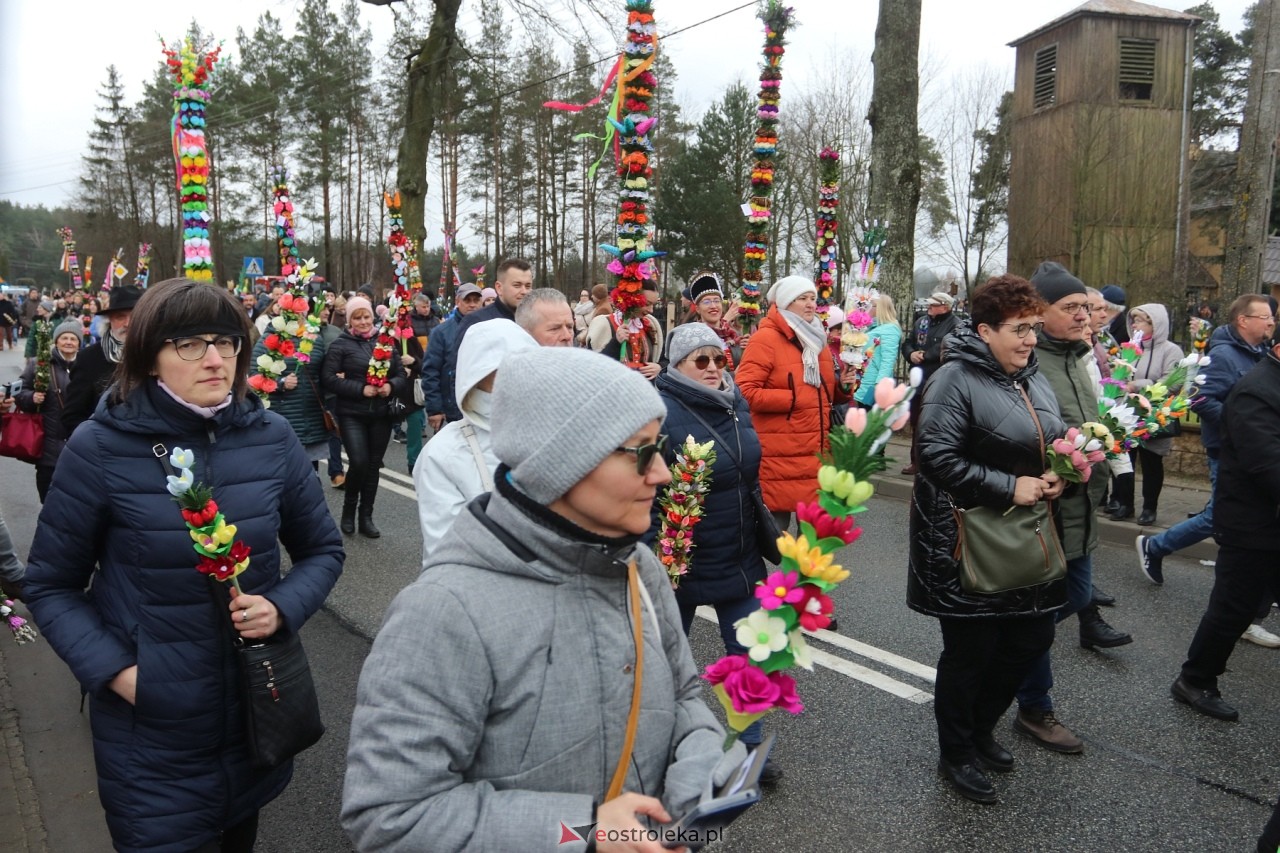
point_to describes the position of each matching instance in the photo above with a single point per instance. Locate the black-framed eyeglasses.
(701, 362)
(1023, 329)
(1074, 308)
(645, 452)
(194, 348)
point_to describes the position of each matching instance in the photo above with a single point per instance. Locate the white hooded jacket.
(447, 474)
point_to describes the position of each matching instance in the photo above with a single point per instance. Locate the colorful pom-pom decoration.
(755, 252)
(70, 261)
(828, 223)
(191, 66)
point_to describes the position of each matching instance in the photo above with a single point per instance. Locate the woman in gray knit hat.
(65, 346)
(496, 705)
(726, 563)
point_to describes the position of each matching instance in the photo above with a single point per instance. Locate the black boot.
(367, 527)
(1095, 633)
(368, 494)
(1123, 512)
(1102, 599)
(348, 524)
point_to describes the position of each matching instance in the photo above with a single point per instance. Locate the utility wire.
(354, 86)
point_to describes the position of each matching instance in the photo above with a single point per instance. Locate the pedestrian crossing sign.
(252, 266)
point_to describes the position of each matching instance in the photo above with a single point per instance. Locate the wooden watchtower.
(1098, 168)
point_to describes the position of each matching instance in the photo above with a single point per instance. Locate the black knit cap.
(1053, 282)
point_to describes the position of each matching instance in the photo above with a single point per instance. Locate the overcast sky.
(54, 58)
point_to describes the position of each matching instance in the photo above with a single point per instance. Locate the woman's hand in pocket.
(126, 683)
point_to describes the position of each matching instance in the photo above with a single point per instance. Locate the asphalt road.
(859, 762)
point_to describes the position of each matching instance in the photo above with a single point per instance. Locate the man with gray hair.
(545, 314)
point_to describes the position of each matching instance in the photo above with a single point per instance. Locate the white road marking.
(907, 665)
(857, 671)
(384, 473)
(390, 480)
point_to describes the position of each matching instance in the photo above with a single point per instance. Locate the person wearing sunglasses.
(702, 401)
(499, 690)
(152, 644)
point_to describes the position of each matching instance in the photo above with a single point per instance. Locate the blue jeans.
(728, 612)
(1189, 532)
(335, 456)
(1033, 695)
(11, 568)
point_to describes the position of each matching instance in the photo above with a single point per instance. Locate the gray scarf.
(112, 348)
(813, 338)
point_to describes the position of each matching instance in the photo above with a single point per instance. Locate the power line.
(354, 85)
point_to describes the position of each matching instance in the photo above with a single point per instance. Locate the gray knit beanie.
(68, 327)
(559, 412)
(689, 338)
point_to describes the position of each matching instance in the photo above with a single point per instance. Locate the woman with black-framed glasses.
(986, 417)
(153, 643)
(702, 401)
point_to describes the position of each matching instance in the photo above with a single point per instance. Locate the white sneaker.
(1260, 636)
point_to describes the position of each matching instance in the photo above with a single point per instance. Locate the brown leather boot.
(1043, 727)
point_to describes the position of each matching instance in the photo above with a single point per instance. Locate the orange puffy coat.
(790, 416)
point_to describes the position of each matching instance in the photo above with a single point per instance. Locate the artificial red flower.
(815, 608)
(788, 700)
(826, 526)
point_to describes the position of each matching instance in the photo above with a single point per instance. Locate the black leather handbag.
(281, 709)
(282, 712)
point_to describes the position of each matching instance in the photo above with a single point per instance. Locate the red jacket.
(791, 417)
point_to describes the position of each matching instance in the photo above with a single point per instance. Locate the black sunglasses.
(645, 453)
(702, 361)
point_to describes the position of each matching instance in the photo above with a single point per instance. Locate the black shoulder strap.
(721, 444)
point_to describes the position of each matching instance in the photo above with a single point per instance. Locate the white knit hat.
(558, 412)
(789, 289)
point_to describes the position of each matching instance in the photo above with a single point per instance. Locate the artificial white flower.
(799, 648)
(180, 484)
(762, 634)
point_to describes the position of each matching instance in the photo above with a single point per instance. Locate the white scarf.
(813, 339)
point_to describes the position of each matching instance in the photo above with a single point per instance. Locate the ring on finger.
(244, 615)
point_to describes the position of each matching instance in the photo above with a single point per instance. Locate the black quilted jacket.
(975, 438)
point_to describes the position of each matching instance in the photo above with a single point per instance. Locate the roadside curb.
(19, 802)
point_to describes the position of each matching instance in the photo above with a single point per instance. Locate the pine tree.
(700, 206)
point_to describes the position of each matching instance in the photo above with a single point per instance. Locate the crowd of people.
(537, 457)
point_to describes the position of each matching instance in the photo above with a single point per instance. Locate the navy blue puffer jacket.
(173, 769)
(726, 562)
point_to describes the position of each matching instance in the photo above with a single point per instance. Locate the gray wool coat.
(493, 705)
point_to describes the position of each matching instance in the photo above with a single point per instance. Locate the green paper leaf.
(778, 661)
